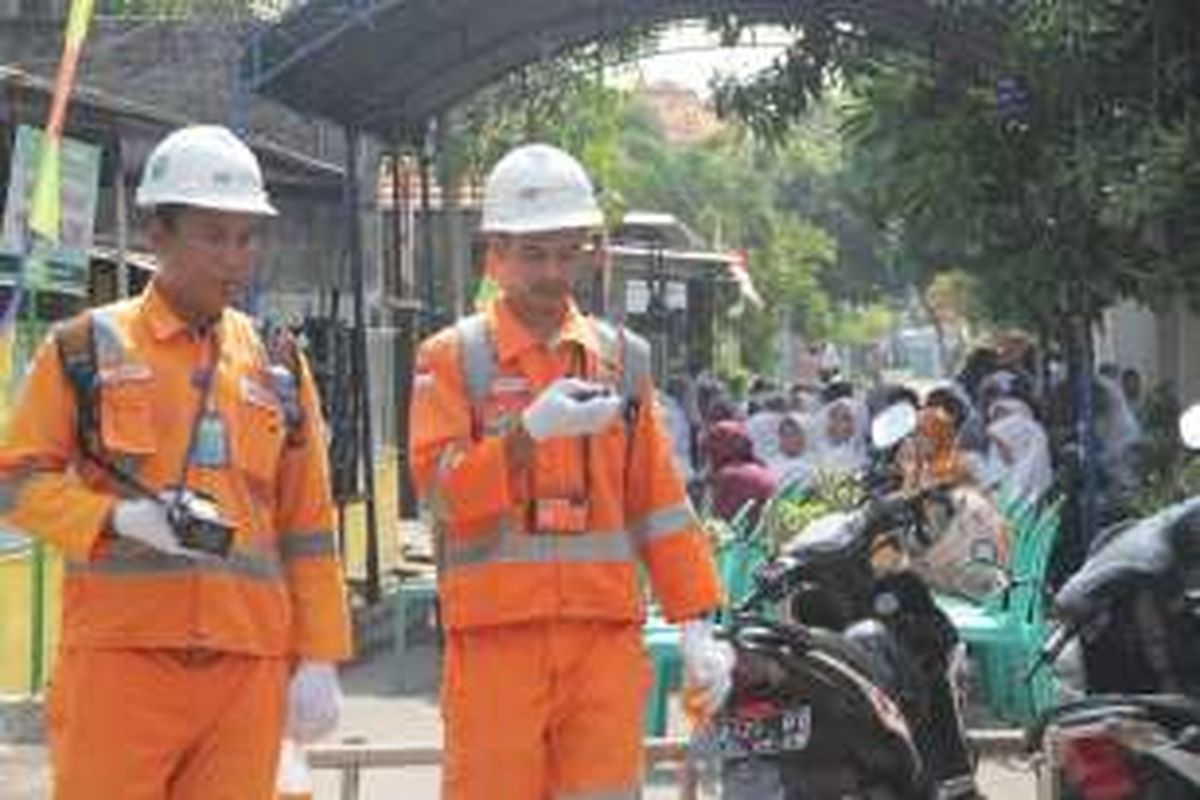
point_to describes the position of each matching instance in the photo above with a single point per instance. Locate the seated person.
(735, 475)
(970, 542)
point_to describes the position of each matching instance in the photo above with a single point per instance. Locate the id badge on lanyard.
(211, 447)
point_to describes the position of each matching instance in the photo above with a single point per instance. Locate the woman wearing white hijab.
(1119, 433)
(1018, 451)
(841, 437)
(792, 466)
(763, 429)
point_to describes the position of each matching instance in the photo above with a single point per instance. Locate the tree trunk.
(939, 332)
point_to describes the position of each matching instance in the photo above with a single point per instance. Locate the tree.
(728, 189)
(1069, 162)
(562, 101)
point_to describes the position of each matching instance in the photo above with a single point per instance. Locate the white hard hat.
(205, 166)
(537, 188)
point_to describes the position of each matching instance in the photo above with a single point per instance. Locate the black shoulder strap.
(76, 345)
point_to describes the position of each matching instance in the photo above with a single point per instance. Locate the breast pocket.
(259, 434)
(127, 416)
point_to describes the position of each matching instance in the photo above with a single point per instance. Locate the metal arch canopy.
(386, 66)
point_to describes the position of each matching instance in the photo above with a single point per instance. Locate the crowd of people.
(997, 433)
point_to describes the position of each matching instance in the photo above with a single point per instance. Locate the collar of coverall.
(164, 321)
(513, 338)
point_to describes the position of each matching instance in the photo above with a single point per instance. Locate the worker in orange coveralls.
(540, 450)
(178, 464)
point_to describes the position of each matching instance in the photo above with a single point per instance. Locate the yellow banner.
(45, 210)
(77, 23)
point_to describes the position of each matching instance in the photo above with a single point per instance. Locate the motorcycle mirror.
(895, 422)
(1189, 428)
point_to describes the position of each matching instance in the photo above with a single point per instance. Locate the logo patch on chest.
(505, 400)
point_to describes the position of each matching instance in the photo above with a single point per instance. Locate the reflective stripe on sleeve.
(662, 522)
(316, 544)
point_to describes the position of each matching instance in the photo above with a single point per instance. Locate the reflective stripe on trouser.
(547, 709)
(152, 724)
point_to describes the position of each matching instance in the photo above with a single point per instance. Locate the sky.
(690, 56)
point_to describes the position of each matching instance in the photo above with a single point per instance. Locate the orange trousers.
(159, 725)
(544, 711)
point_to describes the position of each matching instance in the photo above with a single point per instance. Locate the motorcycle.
(847, 693)
(1132, 615)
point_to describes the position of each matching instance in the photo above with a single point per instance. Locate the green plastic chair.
(1006, 632)
(739, 555)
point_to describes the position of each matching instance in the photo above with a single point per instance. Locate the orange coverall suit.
(172, 672)
(545, 676)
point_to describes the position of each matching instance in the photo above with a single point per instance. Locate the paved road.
(378, 712)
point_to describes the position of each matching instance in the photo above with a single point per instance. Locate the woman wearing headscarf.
(1018, 451)
(953, 398)
(969, 548)
(792, 466)
(1119, 434)
(840, 435)
(735, 475)
(762, 425)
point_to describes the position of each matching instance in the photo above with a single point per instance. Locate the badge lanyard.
(203, 379)
(562, 514)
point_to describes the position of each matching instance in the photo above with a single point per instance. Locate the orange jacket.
(492, 568)
(280, 591)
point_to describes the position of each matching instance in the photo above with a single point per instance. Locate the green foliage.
(1091, 181)
(561, 101)
(862, 326)
(789, 514)
(730, 191)
(1168, 473)
(954, 298)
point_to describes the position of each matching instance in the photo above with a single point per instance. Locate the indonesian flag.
(738, 267)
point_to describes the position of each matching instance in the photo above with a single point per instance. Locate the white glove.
(145, 521)
(557, 411)
(707, 663)
(314, 701)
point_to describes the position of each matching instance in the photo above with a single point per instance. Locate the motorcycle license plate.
(739, 735)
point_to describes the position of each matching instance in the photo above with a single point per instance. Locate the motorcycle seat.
(1140, 550)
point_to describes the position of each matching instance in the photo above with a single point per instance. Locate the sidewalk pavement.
(378, 712)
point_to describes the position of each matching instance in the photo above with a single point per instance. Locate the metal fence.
(353, 757)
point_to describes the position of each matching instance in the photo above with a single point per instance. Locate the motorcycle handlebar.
(904, 510)
(897, 510)
(1056, 642)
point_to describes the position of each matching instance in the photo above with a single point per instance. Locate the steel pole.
(362, 362)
